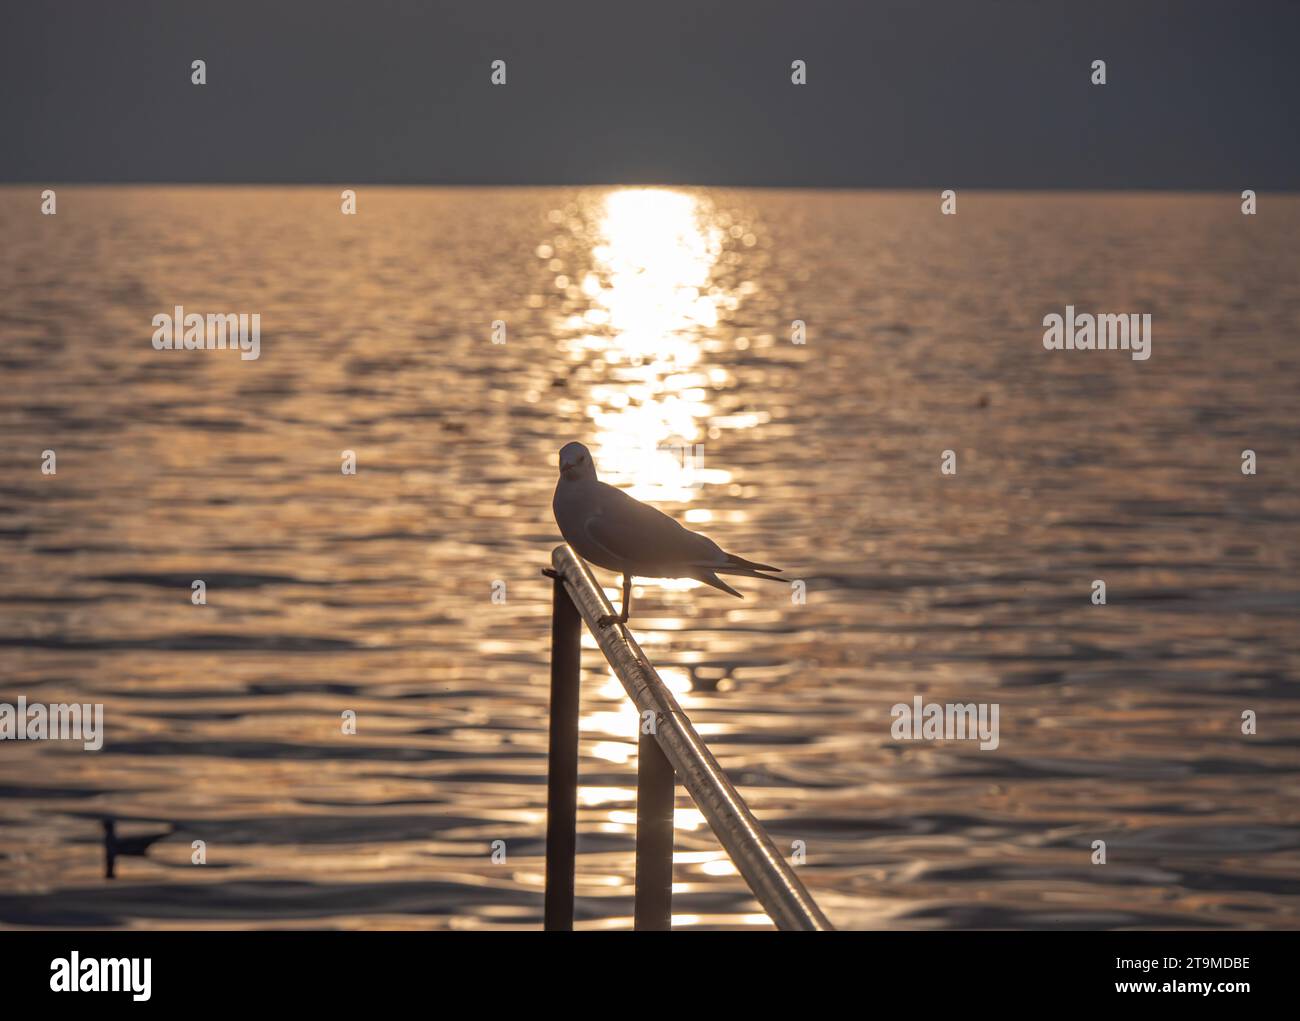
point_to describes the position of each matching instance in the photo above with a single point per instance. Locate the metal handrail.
(673, 746)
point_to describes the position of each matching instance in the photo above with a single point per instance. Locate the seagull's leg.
(627, 598)
(608, 619)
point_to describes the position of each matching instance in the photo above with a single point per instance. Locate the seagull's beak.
(564, 468)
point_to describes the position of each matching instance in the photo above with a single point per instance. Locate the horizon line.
(955, 186)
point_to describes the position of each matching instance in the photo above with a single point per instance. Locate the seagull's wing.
(637, 533)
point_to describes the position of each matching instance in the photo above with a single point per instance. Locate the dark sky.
(922, 93)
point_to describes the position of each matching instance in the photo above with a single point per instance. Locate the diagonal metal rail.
(671, 747)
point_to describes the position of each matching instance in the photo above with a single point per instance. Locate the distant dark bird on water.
(620, 533)
(115, 846)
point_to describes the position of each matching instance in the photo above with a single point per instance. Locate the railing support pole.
(655, 796)
(768, 875)
(562, 760)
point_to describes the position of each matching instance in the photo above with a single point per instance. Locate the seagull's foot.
(608, 619)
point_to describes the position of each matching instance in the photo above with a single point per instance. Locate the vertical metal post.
(655, 791)
(562, 760)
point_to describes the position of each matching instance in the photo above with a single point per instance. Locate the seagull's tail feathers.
(709, 578)
(735, 561)
(746, 568)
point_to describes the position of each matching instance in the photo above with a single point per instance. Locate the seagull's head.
(575, 463)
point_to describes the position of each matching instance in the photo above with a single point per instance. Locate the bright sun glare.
(650, 286)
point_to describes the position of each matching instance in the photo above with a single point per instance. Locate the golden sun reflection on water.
(683, 818)
(656, 252)
(653, 298)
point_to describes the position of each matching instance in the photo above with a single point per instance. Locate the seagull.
(115, 845)
(619, 533)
